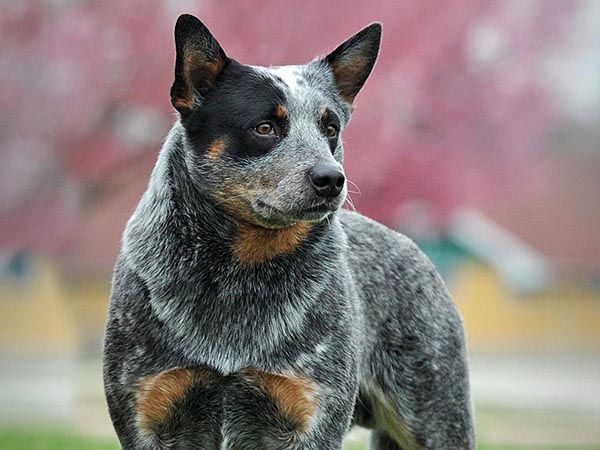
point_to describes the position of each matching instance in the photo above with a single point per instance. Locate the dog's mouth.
(313, 213)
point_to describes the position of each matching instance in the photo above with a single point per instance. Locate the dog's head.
(266, 143)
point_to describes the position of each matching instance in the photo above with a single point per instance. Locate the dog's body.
(247, 312)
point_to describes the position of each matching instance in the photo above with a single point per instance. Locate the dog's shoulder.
(369, 240)
(393, 272)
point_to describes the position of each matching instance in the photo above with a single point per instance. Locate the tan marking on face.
(344, 75)
(232, 197)
(296, 397)
(215, 149)
(195, 64)
(216, 67)
(387, 418)
(186, 102)
(196, 71)
(157, 394)
(255, 244)
(183, 103)
(266, 182)
(281, 111)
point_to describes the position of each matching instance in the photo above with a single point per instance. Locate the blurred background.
(478, 135)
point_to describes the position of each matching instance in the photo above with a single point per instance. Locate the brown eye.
(331, 131)
(264, 128)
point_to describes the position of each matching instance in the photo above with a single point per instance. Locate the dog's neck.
(177, 225)
(222, 287)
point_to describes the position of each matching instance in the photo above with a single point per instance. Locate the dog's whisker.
(350, 202)
(224, 200)
(353, 184)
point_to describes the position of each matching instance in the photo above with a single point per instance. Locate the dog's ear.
(199, 62)
(354, 59)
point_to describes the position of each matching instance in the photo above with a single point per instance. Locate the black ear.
(199, 62)
(353, 60)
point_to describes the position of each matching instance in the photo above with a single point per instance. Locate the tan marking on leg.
(387, 418)
(215, 149)
(157, 394)
(296, 397)
(254, 244)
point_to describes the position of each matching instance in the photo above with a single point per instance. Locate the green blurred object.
(20, 439)
(44, 439)
(445, 253)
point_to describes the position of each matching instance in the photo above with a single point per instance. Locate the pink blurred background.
(480, 103)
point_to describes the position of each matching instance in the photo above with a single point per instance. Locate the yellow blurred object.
(48, 314)
(564, 318)
(44, 315)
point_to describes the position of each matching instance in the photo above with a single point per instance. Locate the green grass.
(62, 440)
(52, 440)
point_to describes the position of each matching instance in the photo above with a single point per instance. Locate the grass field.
(53, 440)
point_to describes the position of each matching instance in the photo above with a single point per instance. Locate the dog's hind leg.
(419, 395)
(380, 440)
(392, 426)
(401, 423)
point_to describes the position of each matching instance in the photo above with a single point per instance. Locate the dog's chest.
(231, 325)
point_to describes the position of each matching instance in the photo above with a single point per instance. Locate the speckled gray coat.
(345, 322)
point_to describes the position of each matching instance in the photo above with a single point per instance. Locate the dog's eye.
(264, 128)
(331, 131)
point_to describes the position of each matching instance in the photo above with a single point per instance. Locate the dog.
(248, 310)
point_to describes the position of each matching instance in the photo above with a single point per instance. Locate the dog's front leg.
(306, 408)
(332, 418)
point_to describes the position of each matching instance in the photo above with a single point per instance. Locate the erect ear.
(354, 59)
(199, 62)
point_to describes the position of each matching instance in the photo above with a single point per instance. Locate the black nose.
(327, 181)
